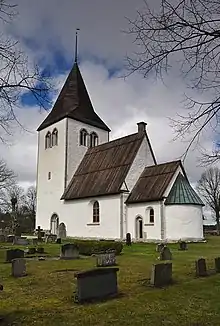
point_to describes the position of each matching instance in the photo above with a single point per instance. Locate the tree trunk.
(217, 222)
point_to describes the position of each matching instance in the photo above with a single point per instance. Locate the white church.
(102, 188)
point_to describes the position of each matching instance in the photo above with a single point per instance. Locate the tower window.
(93, 139)
(55, 137)
(83, 137)
(96, 212)
(48, 140)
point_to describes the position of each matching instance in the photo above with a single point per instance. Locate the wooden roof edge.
(93, 196)
(139, 201)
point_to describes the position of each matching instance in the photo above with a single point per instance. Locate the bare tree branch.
(183, 35)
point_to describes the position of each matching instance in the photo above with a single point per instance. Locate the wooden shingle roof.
(74, 102)
(153, 182)
(104, 168)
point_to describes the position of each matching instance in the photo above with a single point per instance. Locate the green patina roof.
(182, 193)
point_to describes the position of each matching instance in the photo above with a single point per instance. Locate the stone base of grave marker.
(19, 267)
(161, 274)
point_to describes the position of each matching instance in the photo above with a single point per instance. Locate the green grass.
(44, 297)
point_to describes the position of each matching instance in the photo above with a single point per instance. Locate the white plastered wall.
(151, 231)
(184, 222)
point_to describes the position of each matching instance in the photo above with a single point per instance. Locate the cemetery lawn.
(44, 297)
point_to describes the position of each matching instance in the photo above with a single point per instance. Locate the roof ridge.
(110, 142)
(99, 170)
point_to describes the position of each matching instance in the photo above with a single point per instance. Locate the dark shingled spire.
(74, 102)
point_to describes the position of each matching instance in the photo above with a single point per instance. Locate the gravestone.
(128, 239)
(19, 267)
(35, 241)
(217, 264)
(13, 254)
(20, 241)
(39, 233)
(62, 231)
(31, 251)
(58, 240)
(69, 251)
(161, 274)
(165, 254)
(201, 267)
(96, 284)
(182, 245)
(10, 238)
(159, 247)
(40, 250)
(106, 259)
(2, 238)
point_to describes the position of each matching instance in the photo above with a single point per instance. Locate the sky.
(46, 32)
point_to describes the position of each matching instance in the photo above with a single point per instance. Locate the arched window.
(48, 140)
(54, 224)
(96, 212)
(151, 213)
(93, 139)
(83, 137)
(55, 137)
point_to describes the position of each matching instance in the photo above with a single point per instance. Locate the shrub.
(89, 247)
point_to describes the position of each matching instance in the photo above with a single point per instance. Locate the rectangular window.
(49, 175)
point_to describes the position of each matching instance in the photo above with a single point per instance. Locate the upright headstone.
(161, 274)
(201, 267)
(62, 231)
(96, 284)
(182, 245)
(39, 233)
(106, 259)
(58, 240)
(69, 251)
(13, 254)
(19, 267)
(128, 239)
(20, 241)
(166, 254)
(217, 264)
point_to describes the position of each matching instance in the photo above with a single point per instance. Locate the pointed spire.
(76, 46)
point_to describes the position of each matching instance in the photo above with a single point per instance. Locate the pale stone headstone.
(161, 274)
(62, 231)
(19, 267)
(106, 259)
(165, 254)
(96, 284)
(69, 251)
(201, 267)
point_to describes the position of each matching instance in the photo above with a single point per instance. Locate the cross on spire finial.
(76, 45)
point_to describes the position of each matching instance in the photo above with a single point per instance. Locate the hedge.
(89, 247)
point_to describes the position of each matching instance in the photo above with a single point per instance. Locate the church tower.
(63, 139)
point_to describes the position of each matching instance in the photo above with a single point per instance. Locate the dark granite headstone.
(96, 284)
(165, 254)
(217, 264)
(161, 274)
(128, 239)
(182, 246)
(69, 251)
(201, 267)
(19, 267)
(13, 254)
(58, 240)
(106, 259)
(31, 251)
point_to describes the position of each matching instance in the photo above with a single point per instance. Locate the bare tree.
(183, 35)
(30, 202)
(18, 75)
(7, 180)
(209, 188)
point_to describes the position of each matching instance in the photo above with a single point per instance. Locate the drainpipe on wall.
(163, 233)
(121, 215)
